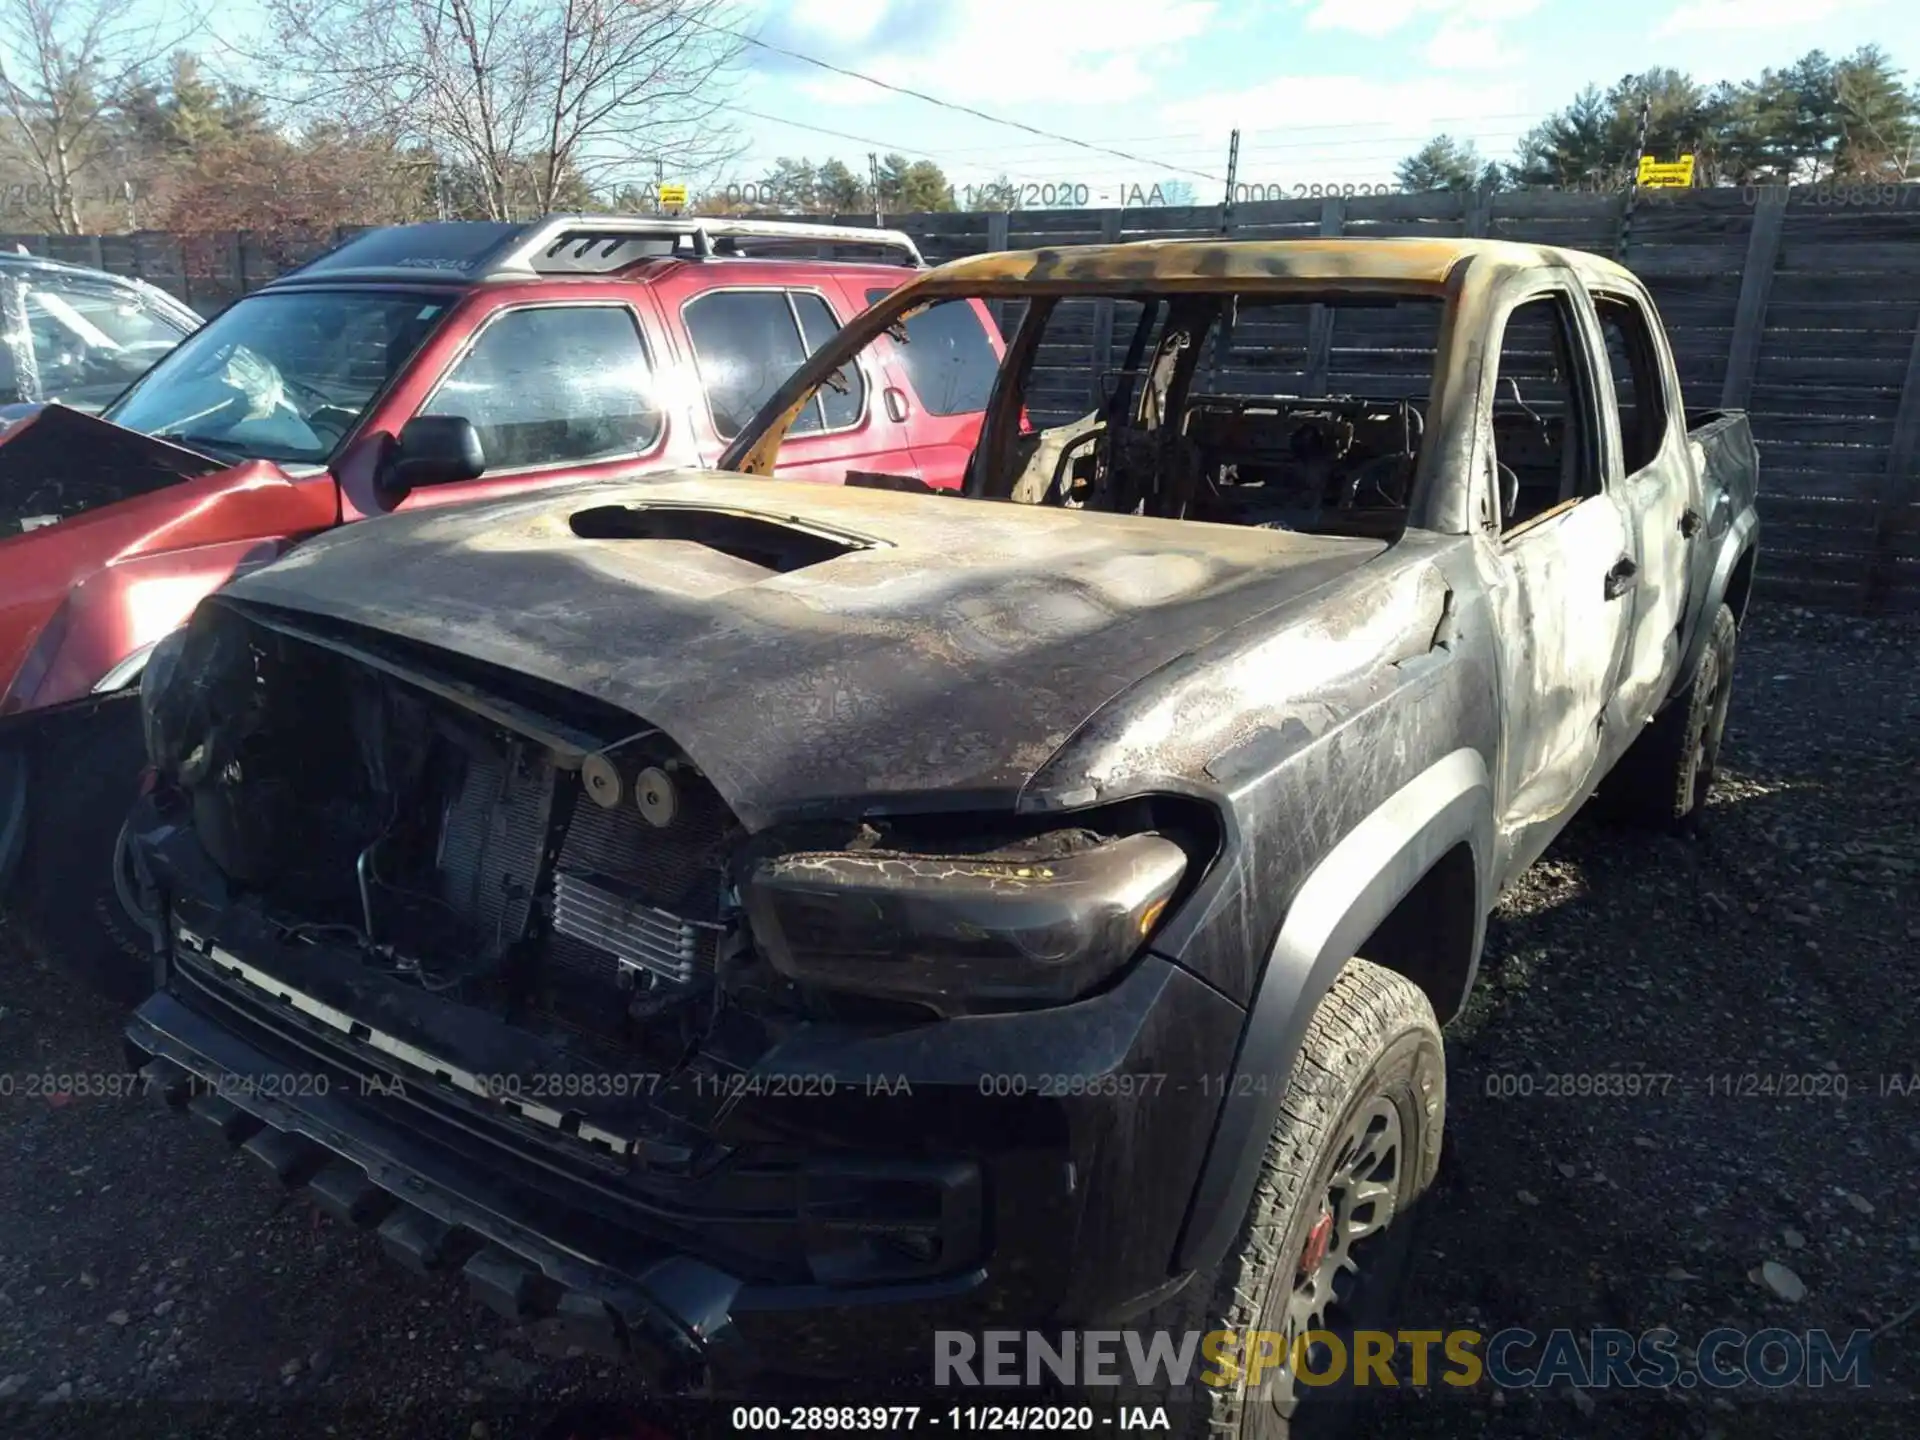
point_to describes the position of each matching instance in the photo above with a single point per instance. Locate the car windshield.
(284, 377)
(90, 341)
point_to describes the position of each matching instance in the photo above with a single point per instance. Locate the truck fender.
(1342, 902)
(1738, 540)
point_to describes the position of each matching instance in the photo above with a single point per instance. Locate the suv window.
(843, 407)
(1544, 455)
(1636, 379)
(747, 342)
(555, 385)
(950, 362)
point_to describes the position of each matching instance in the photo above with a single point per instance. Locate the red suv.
(419, 365)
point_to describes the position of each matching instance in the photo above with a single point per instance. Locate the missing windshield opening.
(773, 545)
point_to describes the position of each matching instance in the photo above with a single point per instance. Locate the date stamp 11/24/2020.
(1626, 1085)
(1151, 195)
(1742, 1084)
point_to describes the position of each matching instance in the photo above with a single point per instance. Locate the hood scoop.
(775, 544)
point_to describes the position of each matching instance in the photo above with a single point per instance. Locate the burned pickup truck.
(765, 923)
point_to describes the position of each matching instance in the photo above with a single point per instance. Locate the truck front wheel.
(1324, 1247)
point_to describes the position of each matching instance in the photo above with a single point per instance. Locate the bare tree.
(529, 101)
(64, 65)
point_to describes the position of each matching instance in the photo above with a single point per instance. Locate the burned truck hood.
(815, 649)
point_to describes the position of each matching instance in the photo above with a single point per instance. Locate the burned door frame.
(1658, 498)
(1561, 629)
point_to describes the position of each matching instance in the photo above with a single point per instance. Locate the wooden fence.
(1803, 310)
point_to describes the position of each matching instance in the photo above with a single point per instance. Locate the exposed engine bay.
(438, 843)
(511, 890)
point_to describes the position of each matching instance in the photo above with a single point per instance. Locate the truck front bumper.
(1072, 1208)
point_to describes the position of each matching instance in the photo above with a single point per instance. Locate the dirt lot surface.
(141, 1261)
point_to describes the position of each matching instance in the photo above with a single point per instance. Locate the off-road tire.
(1373, 1035)
(1663, 779)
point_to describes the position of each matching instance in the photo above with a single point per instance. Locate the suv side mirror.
(431, 450)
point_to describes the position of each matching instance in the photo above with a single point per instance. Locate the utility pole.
(873, 181)
(659, 184)
(1233, 174)
(1633, 180)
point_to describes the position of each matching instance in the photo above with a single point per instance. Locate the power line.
(1390, 148)
(1379, 141)
(1177, 152)
(943, 104)
(1436, 120)
(1114, 139)
(837, 134)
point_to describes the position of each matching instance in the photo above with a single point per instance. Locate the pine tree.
(1443, 163)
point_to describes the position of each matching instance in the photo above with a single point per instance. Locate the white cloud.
(995, 52)
(1383, 17)
(1461, 45)
(1725, 16)
(843, 22)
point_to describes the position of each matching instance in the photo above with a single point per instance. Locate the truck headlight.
(962, 932)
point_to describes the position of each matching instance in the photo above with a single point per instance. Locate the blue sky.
(1322, 90)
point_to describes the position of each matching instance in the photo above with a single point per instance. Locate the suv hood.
(57, 462)
(815, 649)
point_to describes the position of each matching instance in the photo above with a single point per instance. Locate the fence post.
(1102, 345)
(1750, 317)
(1899, 485)
(1333, 222)
(996, 242)
(96, 256)
(1478, 214)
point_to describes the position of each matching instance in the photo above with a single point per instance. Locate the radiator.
(627, 895)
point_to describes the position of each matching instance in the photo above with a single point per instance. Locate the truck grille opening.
(576, 893)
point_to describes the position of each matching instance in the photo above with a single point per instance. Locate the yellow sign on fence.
(1676, 174)
(677, 194)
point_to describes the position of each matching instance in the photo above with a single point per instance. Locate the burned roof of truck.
(1227, 265)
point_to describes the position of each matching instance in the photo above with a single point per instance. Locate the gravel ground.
(141, 1261)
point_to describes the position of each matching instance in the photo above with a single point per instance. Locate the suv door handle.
(1690, 524)
(1621, 577)
(896, 403)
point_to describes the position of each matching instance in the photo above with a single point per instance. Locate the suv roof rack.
(596, 244)
(469, 250)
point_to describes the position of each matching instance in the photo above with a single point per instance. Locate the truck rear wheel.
(1324, 1247)
(1663, 779)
